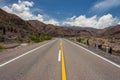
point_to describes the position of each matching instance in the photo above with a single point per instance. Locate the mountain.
(51, 29)
(86, 28)
(92, 29)
(59, 30)
(110, 32)
(13, 28)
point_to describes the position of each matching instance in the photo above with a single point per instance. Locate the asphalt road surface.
(57, 59)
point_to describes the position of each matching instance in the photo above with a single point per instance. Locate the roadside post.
(107, 49)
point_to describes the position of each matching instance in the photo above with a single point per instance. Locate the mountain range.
(110, 32)
(13, 28)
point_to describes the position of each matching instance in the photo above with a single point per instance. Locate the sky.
(84, 13)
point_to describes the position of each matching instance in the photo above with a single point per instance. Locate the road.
(57, 59)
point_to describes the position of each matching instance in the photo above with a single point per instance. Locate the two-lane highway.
(45, 63)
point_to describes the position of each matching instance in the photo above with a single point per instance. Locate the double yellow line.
(63, 62)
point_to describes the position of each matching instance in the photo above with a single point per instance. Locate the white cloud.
(23, 10)
(95, 22)
(52, 21)
(106, 5)
(118, 23)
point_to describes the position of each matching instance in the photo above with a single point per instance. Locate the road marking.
(113, 63)
(63, 62)
(59, 56)
(1, 65)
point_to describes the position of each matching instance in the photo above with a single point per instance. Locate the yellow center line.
(63, 62)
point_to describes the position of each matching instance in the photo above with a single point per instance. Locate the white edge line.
(96, 54)
(59, 56)
(1, 65)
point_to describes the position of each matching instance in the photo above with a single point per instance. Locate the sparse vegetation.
(112, 40)
(20, 39)
(1, 48)
(47, 37)
(117, 52)
(40, 39)
(102, 43)
(84, 40)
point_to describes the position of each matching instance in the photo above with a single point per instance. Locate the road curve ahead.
(58, 59)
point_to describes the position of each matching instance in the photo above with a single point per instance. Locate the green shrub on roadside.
(40, 39)
(36, 39)
(47, 37)
(81, 39)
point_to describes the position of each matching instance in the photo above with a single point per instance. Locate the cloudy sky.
(84, 13)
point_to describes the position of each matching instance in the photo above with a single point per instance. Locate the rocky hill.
(13, 28)
(59, 30)
(51, 29)
(110, 32)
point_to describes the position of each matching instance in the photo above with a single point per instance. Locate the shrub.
(1, 48)
(47, 37)
(35, 39)
(116, 51)
(79, 40)
(112, 40)
(40, 39)
(20, 39)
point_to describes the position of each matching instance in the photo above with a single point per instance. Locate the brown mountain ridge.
(59, 30)
(110, 32)
(13, 28)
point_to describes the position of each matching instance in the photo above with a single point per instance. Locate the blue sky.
(84, 13)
